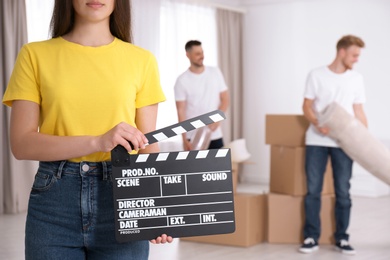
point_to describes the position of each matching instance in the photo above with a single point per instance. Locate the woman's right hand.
(29, 144)
(121, 134)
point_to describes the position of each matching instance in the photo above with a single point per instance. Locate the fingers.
(162, 239)
(132, 135)
(122, 134)
(136, 138)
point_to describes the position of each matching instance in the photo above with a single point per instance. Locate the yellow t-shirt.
(84, 90)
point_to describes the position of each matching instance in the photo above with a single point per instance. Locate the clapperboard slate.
(180, 194)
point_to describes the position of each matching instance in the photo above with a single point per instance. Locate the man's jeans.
(315, 165)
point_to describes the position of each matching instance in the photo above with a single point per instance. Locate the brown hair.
(62, 20)
(191, 43)
(348, 41)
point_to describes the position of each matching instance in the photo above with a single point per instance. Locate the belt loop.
(105, 171)
(59, 172)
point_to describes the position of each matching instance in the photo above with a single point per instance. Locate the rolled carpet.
(356, 141)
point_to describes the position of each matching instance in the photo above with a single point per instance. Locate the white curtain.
(146, 24)
(38, 19)
(230, 62)
(179, 23)
(163, 27)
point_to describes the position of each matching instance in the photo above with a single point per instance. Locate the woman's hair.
(349, 40)
(62, 20)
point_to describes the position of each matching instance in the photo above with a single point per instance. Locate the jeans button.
(85, 167)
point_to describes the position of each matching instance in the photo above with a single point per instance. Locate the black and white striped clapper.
(187, 193)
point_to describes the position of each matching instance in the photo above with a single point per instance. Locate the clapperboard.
(186, 193)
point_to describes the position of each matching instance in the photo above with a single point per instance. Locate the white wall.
(283, 40)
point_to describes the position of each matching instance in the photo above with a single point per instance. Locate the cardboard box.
(287, 130)
(288, 172)
(250, 215)
(286, 219)
(235, 176)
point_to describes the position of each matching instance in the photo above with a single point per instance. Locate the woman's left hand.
(162, 239)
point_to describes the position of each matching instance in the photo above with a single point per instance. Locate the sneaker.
(344, 247)
(309, 245)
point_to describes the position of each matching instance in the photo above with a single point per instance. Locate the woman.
(74, 98)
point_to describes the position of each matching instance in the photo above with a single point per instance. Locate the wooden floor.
(369, 229)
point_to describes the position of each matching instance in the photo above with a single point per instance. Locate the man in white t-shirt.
(199, 90)
(334, 83)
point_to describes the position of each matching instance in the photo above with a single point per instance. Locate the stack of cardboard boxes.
(250, 220)
(278, 217)
(286, 135)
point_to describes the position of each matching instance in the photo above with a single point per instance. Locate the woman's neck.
(90, 35)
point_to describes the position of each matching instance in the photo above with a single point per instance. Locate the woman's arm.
(29, 144)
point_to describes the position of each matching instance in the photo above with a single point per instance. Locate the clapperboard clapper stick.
(187, 193)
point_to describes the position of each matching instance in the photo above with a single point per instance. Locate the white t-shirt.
(324, 87)
(201, 93)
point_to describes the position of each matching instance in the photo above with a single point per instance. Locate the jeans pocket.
(43, 181)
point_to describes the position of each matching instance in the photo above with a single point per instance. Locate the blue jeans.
(216, 144)
(315, 165)
(71, 215)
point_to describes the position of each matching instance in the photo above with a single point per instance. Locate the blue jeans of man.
(315, 166)
(71, 215)
(216, 144)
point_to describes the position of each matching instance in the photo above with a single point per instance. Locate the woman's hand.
(121, 134)
(162, 239)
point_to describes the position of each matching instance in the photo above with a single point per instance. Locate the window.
(38, 19)
(179, 23)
